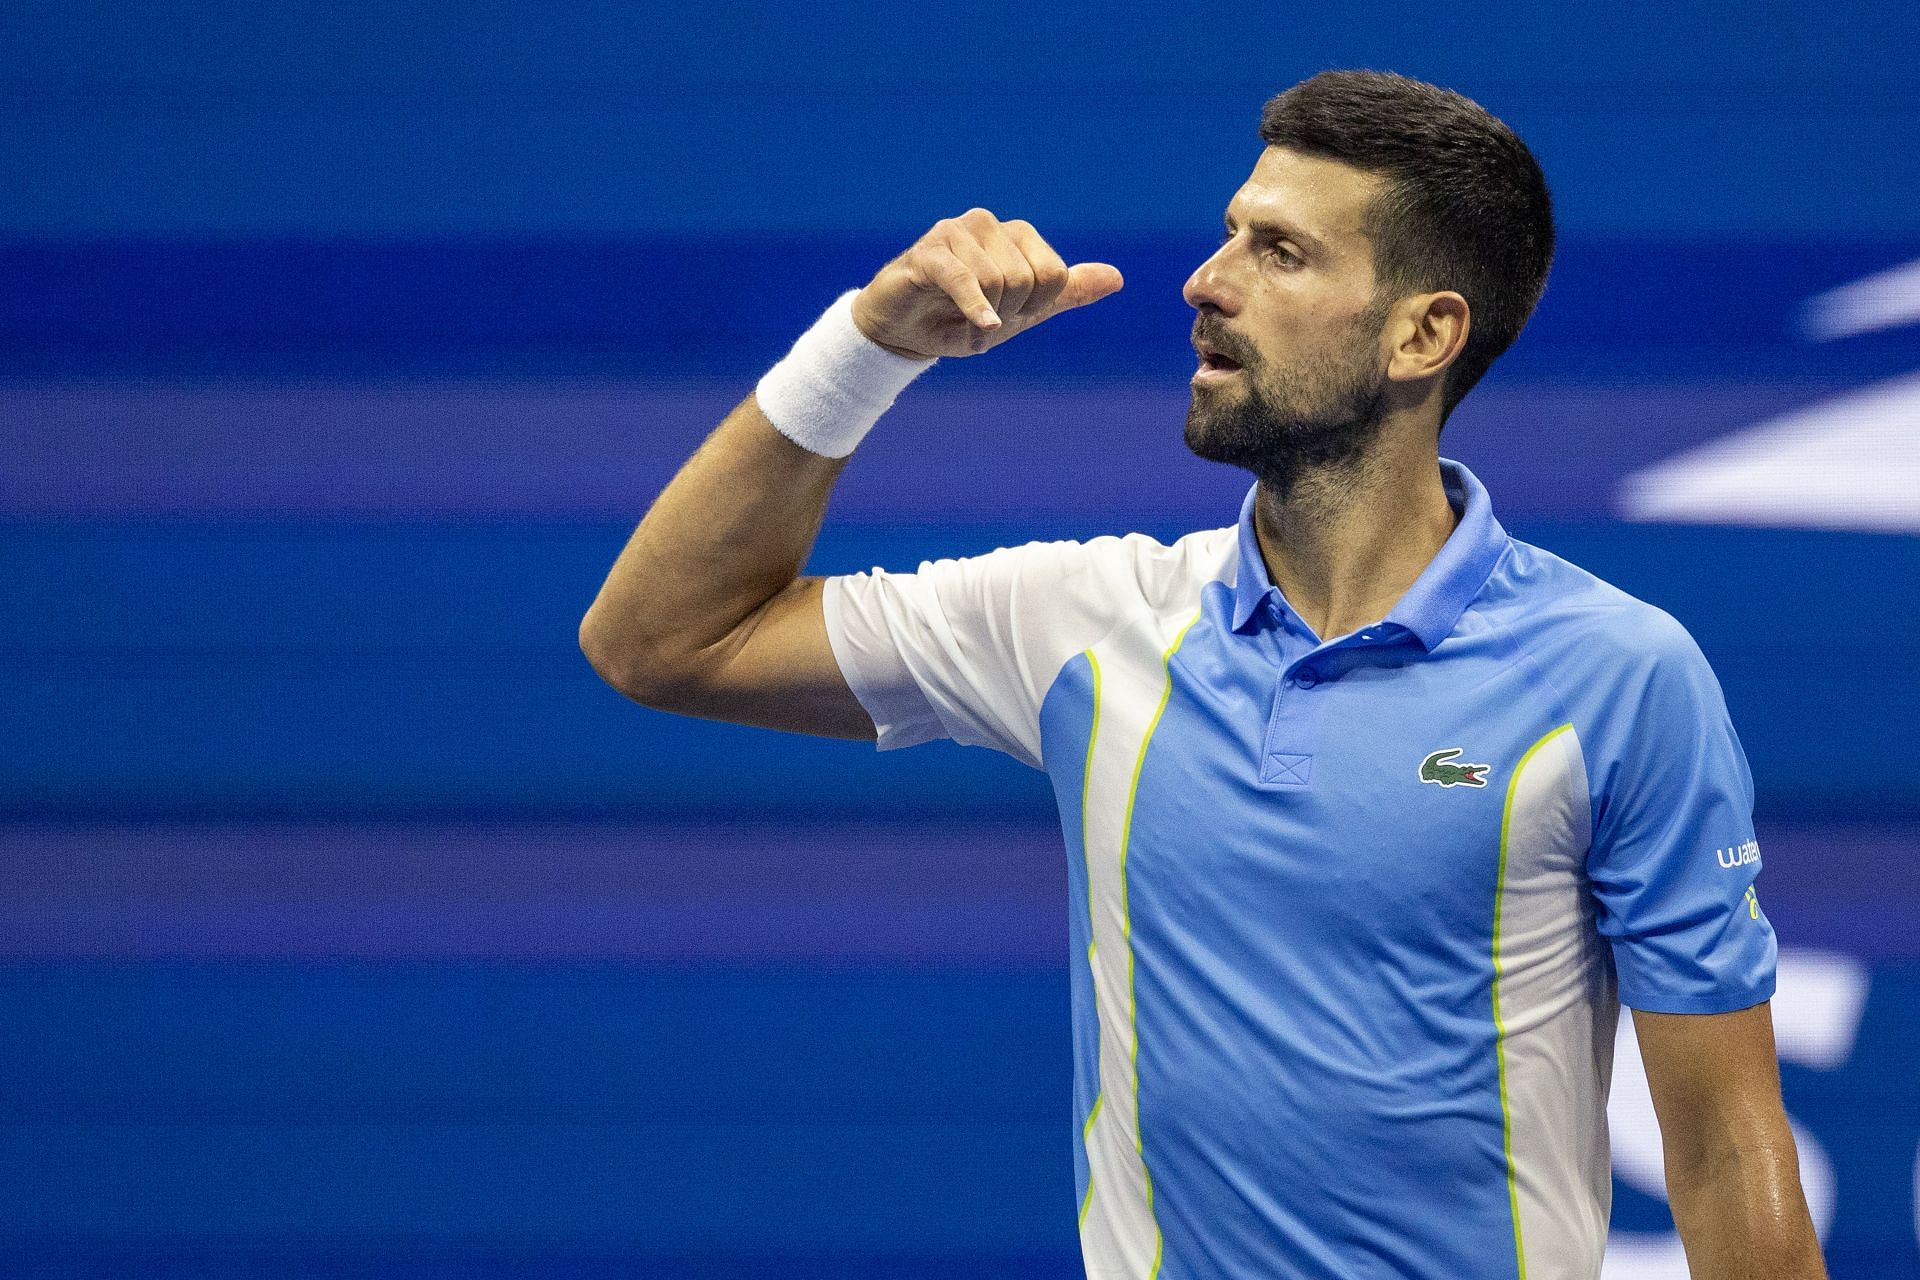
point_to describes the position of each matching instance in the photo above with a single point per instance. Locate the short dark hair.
(1464, 205)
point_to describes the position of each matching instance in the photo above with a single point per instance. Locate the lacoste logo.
(1439, 768)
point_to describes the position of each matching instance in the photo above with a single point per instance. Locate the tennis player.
(1375, 815)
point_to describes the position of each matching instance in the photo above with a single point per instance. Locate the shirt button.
(1306, 677)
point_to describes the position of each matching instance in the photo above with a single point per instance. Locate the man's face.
(1288, 299)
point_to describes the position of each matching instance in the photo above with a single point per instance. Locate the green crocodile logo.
(1438, 768)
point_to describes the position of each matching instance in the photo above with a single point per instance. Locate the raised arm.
(705, 612)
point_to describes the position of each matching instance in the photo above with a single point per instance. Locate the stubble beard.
(1323, 418)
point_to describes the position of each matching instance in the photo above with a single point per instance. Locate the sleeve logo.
(1439, 768)
(1739, 855)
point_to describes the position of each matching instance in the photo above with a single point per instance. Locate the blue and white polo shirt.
(1352, 917)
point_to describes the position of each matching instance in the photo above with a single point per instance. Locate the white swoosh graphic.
(1885, 300)
(1850, 462)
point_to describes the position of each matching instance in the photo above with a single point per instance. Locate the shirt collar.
(1437, 597)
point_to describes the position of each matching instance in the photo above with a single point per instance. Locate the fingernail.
(988, 320)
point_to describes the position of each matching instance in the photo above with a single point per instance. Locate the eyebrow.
(1275, 228)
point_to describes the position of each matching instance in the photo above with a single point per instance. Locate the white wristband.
(827, 393)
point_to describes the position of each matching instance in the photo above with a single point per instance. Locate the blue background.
(349, 925)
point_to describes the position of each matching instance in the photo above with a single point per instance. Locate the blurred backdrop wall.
(351, 926)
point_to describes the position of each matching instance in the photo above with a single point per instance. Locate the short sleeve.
(1674, 857)
(967, 648)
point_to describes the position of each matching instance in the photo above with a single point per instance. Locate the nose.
(1208, 286)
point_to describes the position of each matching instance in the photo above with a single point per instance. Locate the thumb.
(1088, 282)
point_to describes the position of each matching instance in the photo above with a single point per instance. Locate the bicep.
(1714, 1077)
(777, 671)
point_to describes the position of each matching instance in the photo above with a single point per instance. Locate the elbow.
(608, 659)
(596, 650)
(1728, 1148)
(635, 672)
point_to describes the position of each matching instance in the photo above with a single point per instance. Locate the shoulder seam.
(1563, 710)
(1145, 607)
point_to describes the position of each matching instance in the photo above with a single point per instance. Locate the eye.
(1287, 256)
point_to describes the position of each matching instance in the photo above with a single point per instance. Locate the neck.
(1343, 541)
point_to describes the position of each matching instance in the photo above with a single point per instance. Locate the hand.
(971, 283)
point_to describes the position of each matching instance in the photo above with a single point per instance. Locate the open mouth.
(1212, 361)
(1213, 365)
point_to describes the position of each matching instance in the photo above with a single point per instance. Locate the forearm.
(1742, 1215)
(733, 528)
(728, 533)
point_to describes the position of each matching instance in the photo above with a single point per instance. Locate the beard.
(1323, 414)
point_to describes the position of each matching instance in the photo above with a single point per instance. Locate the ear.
(1428, 333)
